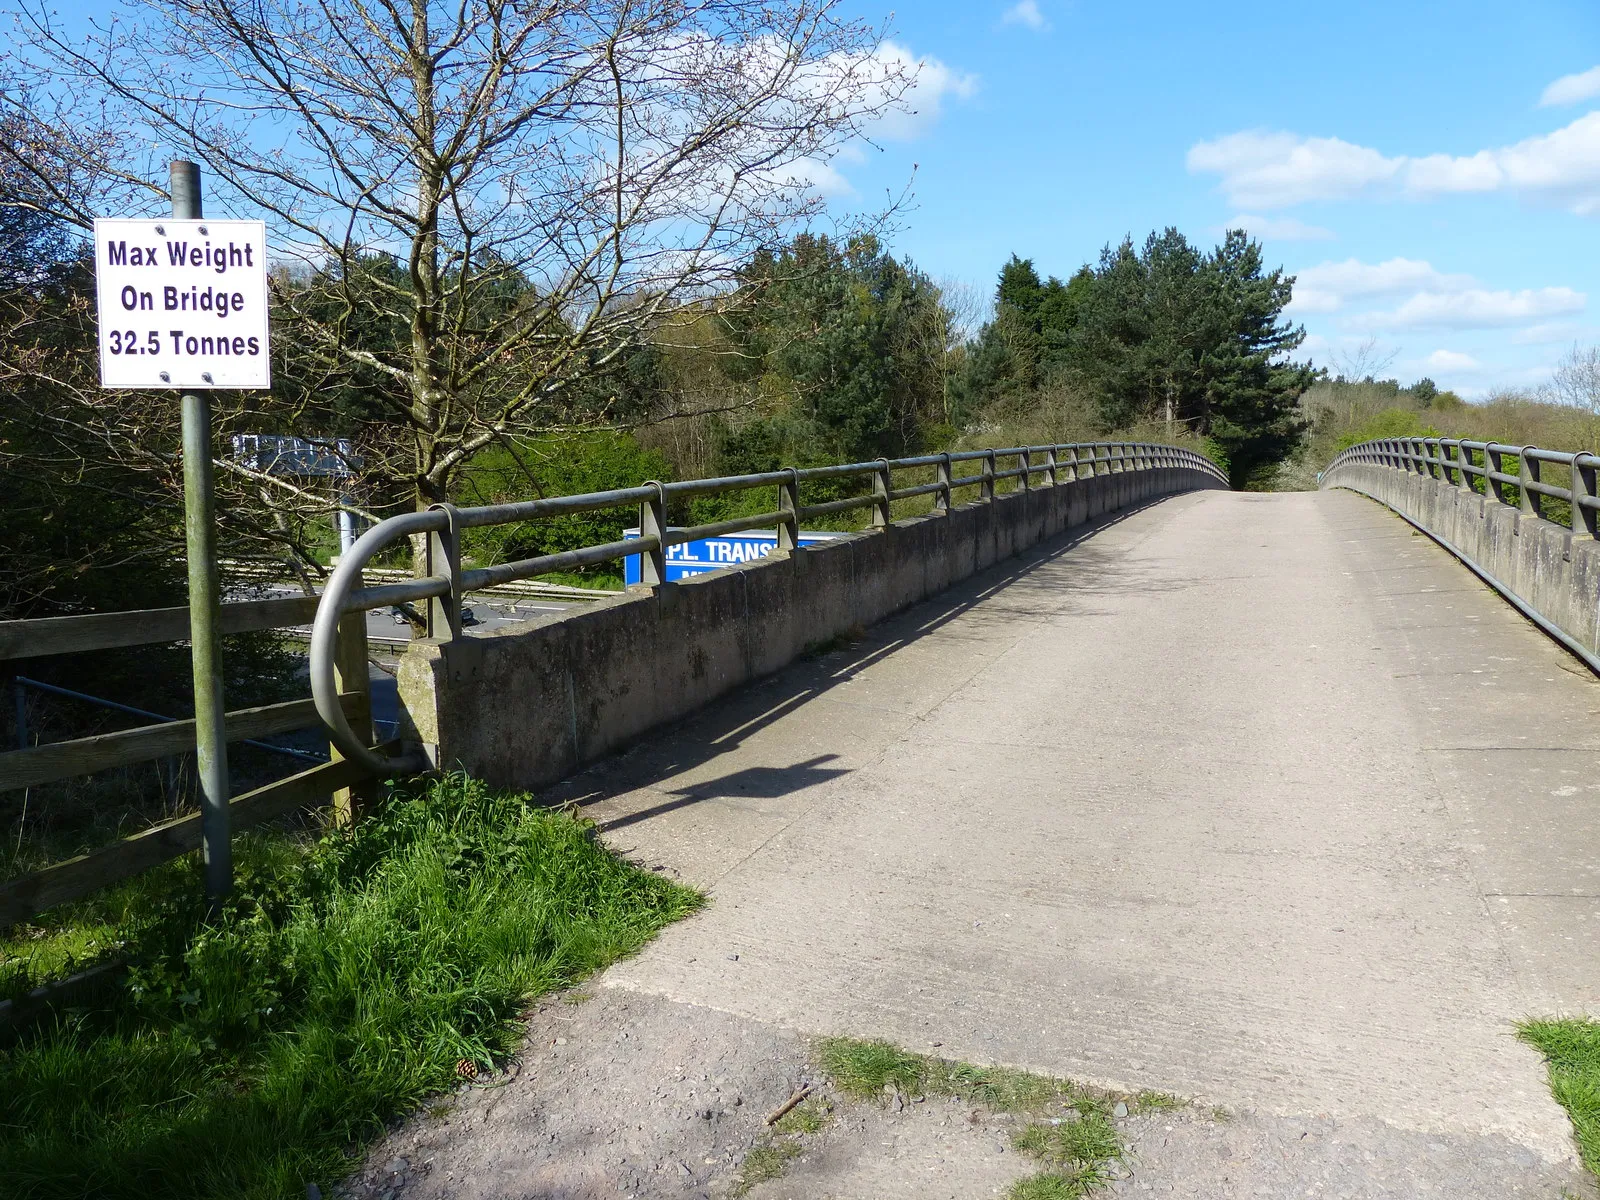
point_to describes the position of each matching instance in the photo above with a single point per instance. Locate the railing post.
(880, 495)
(1492, 466)
(653, 523)
(789, 505)
(1532, 470)
(350, 674)
(1025, 465)
(943, 499)
(444, 558)
(1073, 465)
(986, 488)
(1583, 485)
(1050, 465)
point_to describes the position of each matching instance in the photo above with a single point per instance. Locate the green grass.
(765, 1160)
(805, 1118)
(250, 1054)
(1077, 1143)
(864, 1068)
(1572, 1052)
(1056, 1185)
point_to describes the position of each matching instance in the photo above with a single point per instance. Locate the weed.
(1077, 1145)
(1089, 1140)
(1572, 1052)
(1056, 1185)
(863, 1069)
(805, 1118)
(248, 1054)
(765, 1160)
(1153, 1102)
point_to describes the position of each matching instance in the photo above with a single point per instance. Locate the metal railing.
(1459, 462)
(445, 582)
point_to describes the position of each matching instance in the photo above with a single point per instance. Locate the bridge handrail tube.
(727, 483)
(478, 578)
(693, 533)
(921, 489)
(324, 646)
(381, 595)
(527, 510)
(827, 508)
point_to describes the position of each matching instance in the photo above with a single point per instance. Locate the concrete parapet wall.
(526, 707)
(1544, 565)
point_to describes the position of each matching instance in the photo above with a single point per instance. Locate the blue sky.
(1430, 171)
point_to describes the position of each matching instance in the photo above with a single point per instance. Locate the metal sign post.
(182, 305)
(205, 597)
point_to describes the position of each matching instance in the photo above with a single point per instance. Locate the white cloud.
(1280, 229)
(1275, 170)
(1552, 333)
(1025, 12)
(1478, 308)
(1329, 286)
(924, 101)
(1451, 360)
(1572, 89)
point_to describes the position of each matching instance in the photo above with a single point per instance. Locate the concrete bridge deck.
(1263, 800)
(1259, 799)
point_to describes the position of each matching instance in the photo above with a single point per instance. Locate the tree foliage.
(1161, 332)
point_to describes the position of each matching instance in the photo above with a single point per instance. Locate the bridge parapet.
(1502, 510)
(527, 706)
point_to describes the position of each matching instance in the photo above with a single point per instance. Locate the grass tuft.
(1077, 1146)
(1085, 1142)
(248, 1054)
(1571, 1049)
(864, 1069)
(765, 1160)
(1056, 1185)
(805, 1118)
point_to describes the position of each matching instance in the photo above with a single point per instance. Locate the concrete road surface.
(1258, 799)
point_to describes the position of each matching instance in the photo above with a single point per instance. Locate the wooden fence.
(340, 781)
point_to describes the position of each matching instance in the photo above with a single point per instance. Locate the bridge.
(1265, 799)
(1279, 801)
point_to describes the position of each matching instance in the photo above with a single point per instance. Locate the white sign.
(183, 304)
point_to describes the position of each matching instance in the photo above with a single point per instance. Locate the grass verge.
(1075, 1137)
(249, 1054)
(1571, 1049)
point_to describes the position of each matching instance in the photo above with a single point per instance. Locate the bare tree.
(1365, 362)
(491, 202)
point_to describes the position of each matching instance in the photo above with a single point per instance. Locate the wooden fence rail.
(342, 781)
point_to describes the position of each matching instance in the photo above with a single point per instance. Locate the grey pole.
(205, 597)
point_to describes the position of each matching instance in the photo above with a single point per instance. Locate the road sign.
(182, 304)
(711, 554)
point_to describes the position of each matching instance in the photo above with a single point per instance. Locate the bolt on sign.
(182, 304)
